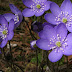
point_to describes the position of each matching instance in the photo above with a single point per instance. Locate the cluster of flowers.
(54, 36)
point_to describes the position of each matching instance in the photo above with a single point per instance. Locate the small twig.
(18, 67)
(11, 56)
(33, 37)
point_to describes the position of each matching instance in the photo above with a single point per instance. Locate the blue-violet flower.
(57, 40)
(36, 26)
(62, 14)
(35, 7)
(6, 31)
(17, 16)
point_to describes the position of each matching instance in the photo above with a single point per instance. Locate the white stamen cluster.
(16, 18)
(64, 15)
(3, 28)
(35, 9)
(54, 41)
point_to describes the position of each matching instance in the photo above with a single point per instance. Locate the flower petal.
(39, 13)
(49, 17)
(66, 6)
(69, 28)
(39, 1)
(68, 51)
(8, 16)
(43, 44)
(55, 9)
(28, 12)
(14, 9)
(28, 3)
(55, 56)
(32, 43)
(49, 32)
(69, 39)
(47, 5)
(68, 48)
(61, 30)
(3, 21)
(11, 25)
(41, 35)
(10, 36)
(3, 43)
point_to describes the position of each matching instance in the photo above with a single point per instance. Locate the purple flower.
(62, 14)
(35, 7)
(57, 40)
(37, 26)
(32, 43)
(6, 31)
(17, 16)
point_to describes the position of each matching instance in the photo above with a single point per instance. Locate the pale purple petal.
(49, 17)
(55, 9)
(40, 1)
(9, 16)
(32, 43)
(28, 12)
(49, 32)
(3, 43)
(39, 13)
(66, 6)
(28, 3)
(14, 9)
(10, 35)
(69, 28)
(47, 5)
(55, 56)
(68, 48)
(41, 34)
(3, 21)
(61, 30)
(43, 44)
(11, 25)
(69, 39)
(68, 51)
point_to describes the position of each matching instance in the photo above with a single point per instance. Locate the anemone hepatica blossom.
(57, 40)
(17, 16)
(6, 31)
(35, 7)
(61, 15)
(37, 26)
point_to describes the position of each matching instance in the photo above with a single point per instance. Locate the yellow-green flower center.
(58, 44)
(38, 6)
(4, 32)
(64, 20)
